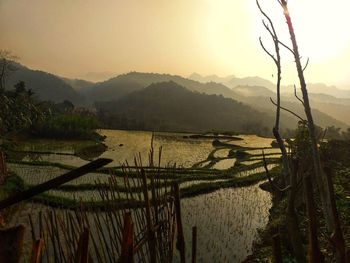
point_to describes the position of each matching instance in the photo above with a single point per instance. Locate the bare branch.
(270, 179)
(285, 109)
(286, 46)
(295, 94)
(268, 18)
(307, 63)
(275, 130)
(275, 39)
(267, 52)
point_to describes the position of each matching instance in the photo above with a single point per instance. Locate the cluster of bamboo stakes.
(146, 228)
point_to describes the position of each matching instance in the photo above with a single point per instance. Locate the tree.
(322, 179)
(18, 109)
(7, 66)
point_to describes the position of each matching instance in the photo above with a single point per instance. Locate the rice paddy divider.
(38, 189)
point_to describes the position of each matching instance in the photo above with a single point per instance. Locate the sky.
(100, 38)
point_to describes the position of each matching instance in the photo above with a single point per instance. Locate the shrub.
(68, 126)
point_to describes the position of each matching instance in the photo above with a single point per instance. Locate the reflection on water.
(224, 164)
(227, 222)
(227, 219)
(39, 174)
(253, 141)
(221, 153)
(50, 145)
(123, 145)
(56, 158)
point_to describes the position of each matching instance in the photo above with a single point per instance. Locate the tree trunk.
(314, 254)
(321, 178)
(292, 221)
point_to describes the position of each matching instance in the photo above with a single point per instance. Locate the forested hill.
(45, 86)
(169, 106)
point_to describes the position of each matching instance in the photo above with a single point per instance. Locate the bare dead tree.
(323, 183)
(290, 176)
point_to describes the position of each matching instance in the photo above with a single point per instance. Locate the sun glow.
(179, 37)
(320, 26)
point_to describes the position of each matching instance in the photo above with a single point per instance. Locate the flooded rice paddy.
(227, 219)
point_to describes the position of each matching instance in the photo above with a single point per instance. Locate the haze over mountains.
(123, 94)
(232, 82)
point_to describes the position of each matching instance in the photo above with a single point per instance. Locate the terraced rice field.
(227, 215)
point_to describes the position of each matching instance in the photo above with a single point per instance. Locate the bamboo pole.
(82, 255)
(194, 244)
(127, 251)
(180, 235)
(150, 228)
(36, 250)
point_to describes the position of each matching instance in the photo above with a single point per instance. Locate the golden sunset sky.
(73, 37)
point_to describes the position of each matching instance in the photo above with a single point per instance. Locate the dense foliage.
(18, 109)
(66, 126)
(63, 120)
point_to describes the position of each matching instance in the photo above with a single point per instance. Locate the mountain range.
(251, 93)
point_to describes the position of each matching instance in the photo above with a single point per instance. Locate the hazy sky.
(74, 37)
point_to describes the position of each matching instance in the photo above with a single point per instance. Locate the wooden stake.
(180, 234)
(82, 255)
(127, 250)
(150, 228)
(36, 250)
(194, 244)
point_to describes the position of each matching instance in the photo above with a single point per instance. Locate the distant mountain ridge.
(324, 89)
(78, 84)
(322, 104)
(210, 78)
(232, 82)
(121, 85)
